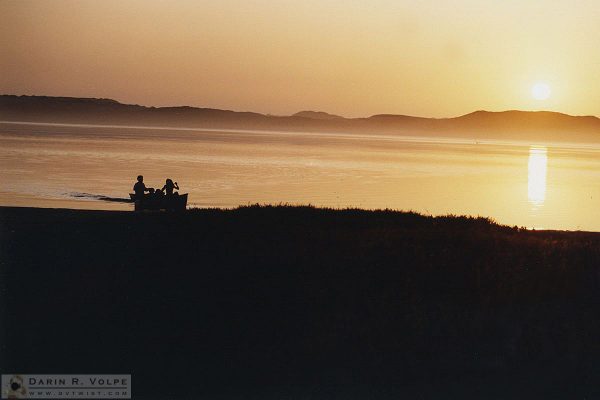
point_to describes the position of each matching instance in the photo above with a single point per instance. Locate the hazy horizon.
(351, 59)
(298, 111)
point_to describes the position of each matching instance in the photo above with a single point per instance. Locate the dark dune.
(298, 303)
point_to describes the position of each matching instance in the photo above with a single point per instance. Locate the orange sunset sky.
(354, 58)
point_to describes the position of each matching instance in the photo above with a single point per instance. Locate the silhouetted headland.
(301, 302)
(525, 125)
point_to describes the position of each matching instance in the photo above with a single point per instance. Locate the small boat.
(176, 202)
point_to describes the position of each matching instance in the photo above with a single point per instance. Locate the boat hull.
(153, 202)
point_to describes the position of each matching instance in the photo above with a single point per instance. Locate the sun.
(540, 91)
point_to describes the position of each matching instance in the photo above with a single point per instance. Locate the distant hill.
(526, 125)
(316, 115)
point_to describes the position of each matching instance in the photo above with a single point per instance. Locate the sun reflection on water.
(537, 171)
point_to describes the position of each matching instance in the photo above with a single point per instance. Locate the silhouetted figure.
(169, 186)
(139, 188)
(158, 199)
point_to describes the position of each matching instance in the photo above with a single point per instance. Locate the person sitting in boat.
(169, 186)
(139, 188)
(158, 193)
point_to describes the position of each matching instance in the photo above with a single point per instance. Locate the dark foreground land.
(301, 303)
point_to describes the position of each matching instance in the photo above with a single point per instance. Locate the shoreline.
(302, 206)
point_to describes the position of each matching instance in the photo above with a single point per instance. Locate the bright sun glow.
(540, 91)
(536, 181)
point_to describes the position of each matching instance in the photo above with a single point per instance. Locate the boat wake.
(100, 197)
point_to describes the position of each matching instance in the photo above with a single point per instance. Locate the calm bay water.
(536, 185)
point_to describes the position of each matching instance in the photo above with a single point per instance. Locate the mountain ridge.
(539, 125)
(316, 115)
